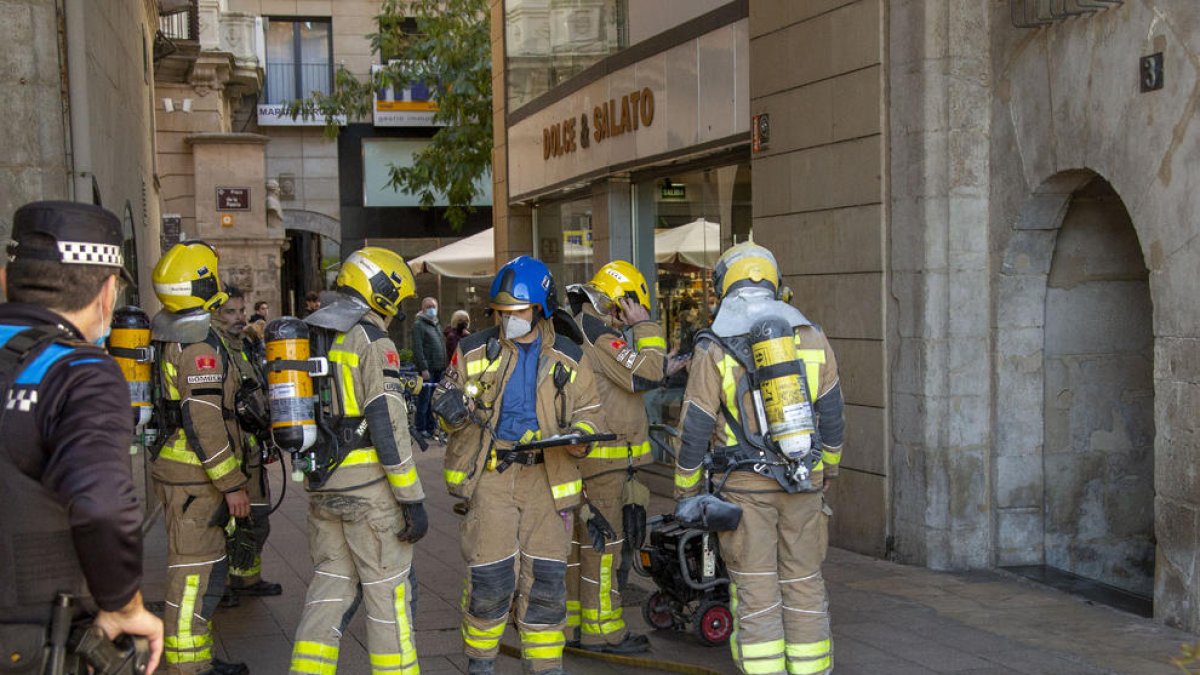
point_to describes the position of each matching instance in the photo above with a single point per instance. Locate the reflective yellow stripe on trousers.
(314, 658)
(808, 658)
(183, 647)
(542, 644)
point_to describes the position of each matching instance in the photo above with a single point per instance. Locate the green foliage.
(406, 355)
(451, 53)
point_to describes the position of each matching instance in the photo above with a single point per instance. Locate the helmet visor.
(598, 298)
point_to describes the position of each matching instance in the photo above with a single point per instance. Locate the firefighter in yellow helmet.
(366, 505)
(614, 302)
(763, 360)
(197, 472)
(509, 384)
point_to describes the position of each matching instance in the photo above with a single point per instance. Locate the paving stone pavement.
(887, 618)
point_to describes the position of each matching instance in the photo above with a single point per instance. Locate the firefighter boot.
(481, 666)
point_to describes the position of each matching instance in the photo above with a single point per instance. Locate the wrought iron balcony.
(179, 19)
(1035, 13)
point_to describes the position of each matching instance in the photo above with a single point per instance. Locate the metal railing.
(181, 24)
(1034, 13)
(290, 81)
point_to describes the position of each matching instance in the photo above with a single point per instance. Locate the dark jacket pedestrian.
(458, 329)
(429, 345)
(429, 355)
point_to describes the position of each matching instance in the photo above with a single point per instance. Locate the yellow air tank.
(782, 397)
(129, 345)
(290, 385)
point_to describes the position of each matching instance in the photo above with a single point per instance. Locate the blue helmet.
(524, 281)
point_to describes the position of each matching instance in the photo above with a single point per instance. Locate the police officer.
(71, 521)
(615, 300)
(366, 504)
(197, 472)
(764, 360)
(513, 383)
(250, 535)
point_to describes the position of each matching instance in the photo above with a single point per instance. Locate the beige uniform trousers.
(196, 570)
(259, 491)
(593, 601)
(516, 545)
(353, 543)
(780, 609)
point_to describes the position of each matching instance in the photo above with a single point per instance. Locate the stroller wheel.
(657, 611)
(714, 623)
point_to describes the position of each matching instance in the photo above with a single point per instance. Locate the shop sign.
(672, 192)
(760, 132)
(410, 106)
(172, 230)
(233, 199)
(278, 115)
(608, 120)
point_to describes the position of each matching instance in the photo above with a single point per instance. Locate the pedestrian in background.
(312, 302)
(262, 312)
(459, 328)
(71, 521)
(429, 355)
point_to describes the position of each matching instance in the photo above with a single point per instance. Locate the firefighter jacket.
(365, 373)
(71, 519)
(205, 445)
(710, 408)
(624, 372)
(574, 408)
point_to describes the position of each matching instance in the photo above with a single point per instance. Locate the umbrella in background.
(698, 243)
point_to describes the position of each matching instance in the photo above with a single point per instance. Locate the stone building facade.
(77, 121)
(987, 206)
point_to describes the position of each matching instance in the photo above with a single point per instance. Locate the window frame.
(297, 61)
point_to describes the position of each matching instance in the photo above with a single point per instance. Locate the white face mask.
(515, 327)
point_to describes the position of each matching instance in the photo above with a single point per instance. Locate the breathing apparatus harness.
(787, 446)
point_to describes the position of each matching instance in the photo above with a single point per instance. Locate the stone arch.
(312, 221)
(1031, 477)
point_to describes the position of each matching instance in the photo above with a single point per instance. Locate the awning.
(471, 257)
(698, 243)
(474, 257)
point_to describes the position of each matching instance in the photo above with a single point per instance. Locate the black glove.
(599, 530)
(416, 523)
(451, 406)
(240, 546)
(633, 521)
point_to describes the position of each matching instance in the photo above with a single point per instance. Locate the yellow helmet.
(186, 278)
(378, 276)
(746, 264)
(618, 279)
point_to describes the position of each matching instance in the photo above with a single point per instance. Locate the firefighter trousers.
(780, 609)
(516, 545)
(593, 598)
(196, 571)
(357, 558)
(260, 525)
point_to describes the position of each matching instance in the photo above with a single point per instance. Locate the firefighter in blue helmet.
(513, 383)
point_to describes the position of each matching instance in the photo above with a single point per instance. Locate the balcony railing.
(289, 81)
(1035, 13)
(179, 19)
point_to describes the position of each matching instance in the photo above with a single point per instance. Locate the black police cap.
(83, 234)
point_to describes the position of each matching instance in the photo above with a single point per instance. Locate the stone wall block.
(861, 367)
(970, 367)
(1177, 359)
(825, 297)
(857, 500)
(1031, 110)
(1029, 252)
(1022, 301)
(969, 421)
(866, 440)
(1175, 577)
(1019, 536)
(1019, 481)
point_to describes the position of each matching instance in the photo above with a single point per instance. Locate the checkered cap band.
(84, 253)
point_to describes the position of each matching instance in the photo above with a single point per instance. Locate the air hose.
(625, 660)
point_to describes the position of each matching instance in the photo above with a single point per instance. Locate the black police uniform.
(71, 520)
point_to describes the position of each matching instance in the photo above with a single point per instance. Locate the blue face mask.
(106, 328)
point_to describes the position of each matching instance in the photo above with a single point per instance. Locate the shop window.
(564, 240)
(299, 60)
(686, 220)
(380, 154)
